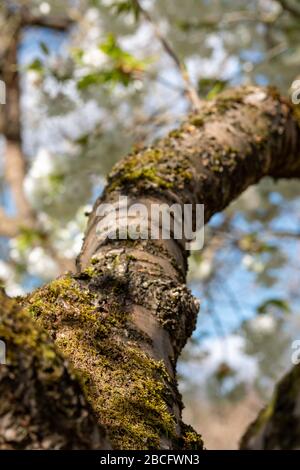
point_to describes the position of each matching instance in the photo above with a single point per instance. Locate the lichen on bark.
(277, 426)
(124, 318)
(42, 405)
(131, 391)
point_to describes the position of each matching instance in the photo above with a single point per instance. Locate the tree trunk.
(42, 405)
(123, 320)
(277, 426)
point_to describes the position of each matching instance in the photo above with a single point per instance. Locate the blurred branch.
(27, 18)
(190, 90)
(15, 172)
(289, 7)
(285, 234)
(56, 23)
(10, 115)
(9, 226)
(217, 21)
(10, 127)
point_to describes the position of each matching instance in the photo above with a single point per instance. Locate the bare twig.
(190, 90)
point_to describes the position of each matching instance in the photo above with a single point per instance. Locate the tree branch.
(124, 319)
(27, 18)
(10, 127)
(42, 405)
(289, 7)
(15, 172)
(9, 227)
(277, 425)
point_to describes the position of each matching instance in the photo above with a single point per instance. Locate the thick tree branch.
(10, 127)
(124, 319)
(14, 167)
(277, 426)
(42, 405)
(53, 22)
(9, 226)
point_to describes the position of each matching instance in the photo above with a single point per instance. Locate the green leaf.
(126, 6)
(209, 88)
(122, 69)
(279, 304)
(83, 140)
(90, 79)
(36, 66)
(28, 238)
(44, 48)
(56, 180)
(120, 57)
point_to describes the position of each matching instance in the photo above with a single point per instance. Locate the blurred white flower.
(204, 270)
(7, 275)
(69, 240)
(41, 265)
(92, 14)
(36, 180)
(253, 264)
(247, 261)
(94, 57)
(45, 8)
(265, 324)
(230, 350)
(108, 3)
(42, 164)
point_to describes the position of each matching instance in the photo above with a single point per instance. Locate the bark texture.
(42, 405)
(277, 427)
(123, 320)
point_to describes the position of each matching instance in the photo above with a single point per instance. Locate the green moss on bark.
(42, 405)
(126, 387)
(277, 426)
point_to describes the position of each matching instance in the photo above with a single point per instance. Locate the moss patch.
(129, 391)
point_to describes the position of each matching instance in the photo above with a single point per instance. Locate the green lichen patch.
(272, 428)
(20, 334)
(129, 391)
(190, 439)
(141, 167)
(42, 405)
(156, 169)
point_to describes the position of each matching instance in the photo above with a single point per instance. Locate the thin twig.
(190, 90)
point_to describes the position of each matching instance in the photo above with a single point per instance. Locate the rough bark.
(123, 320)
(10, 115)
(277, 426)
(42, 405)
